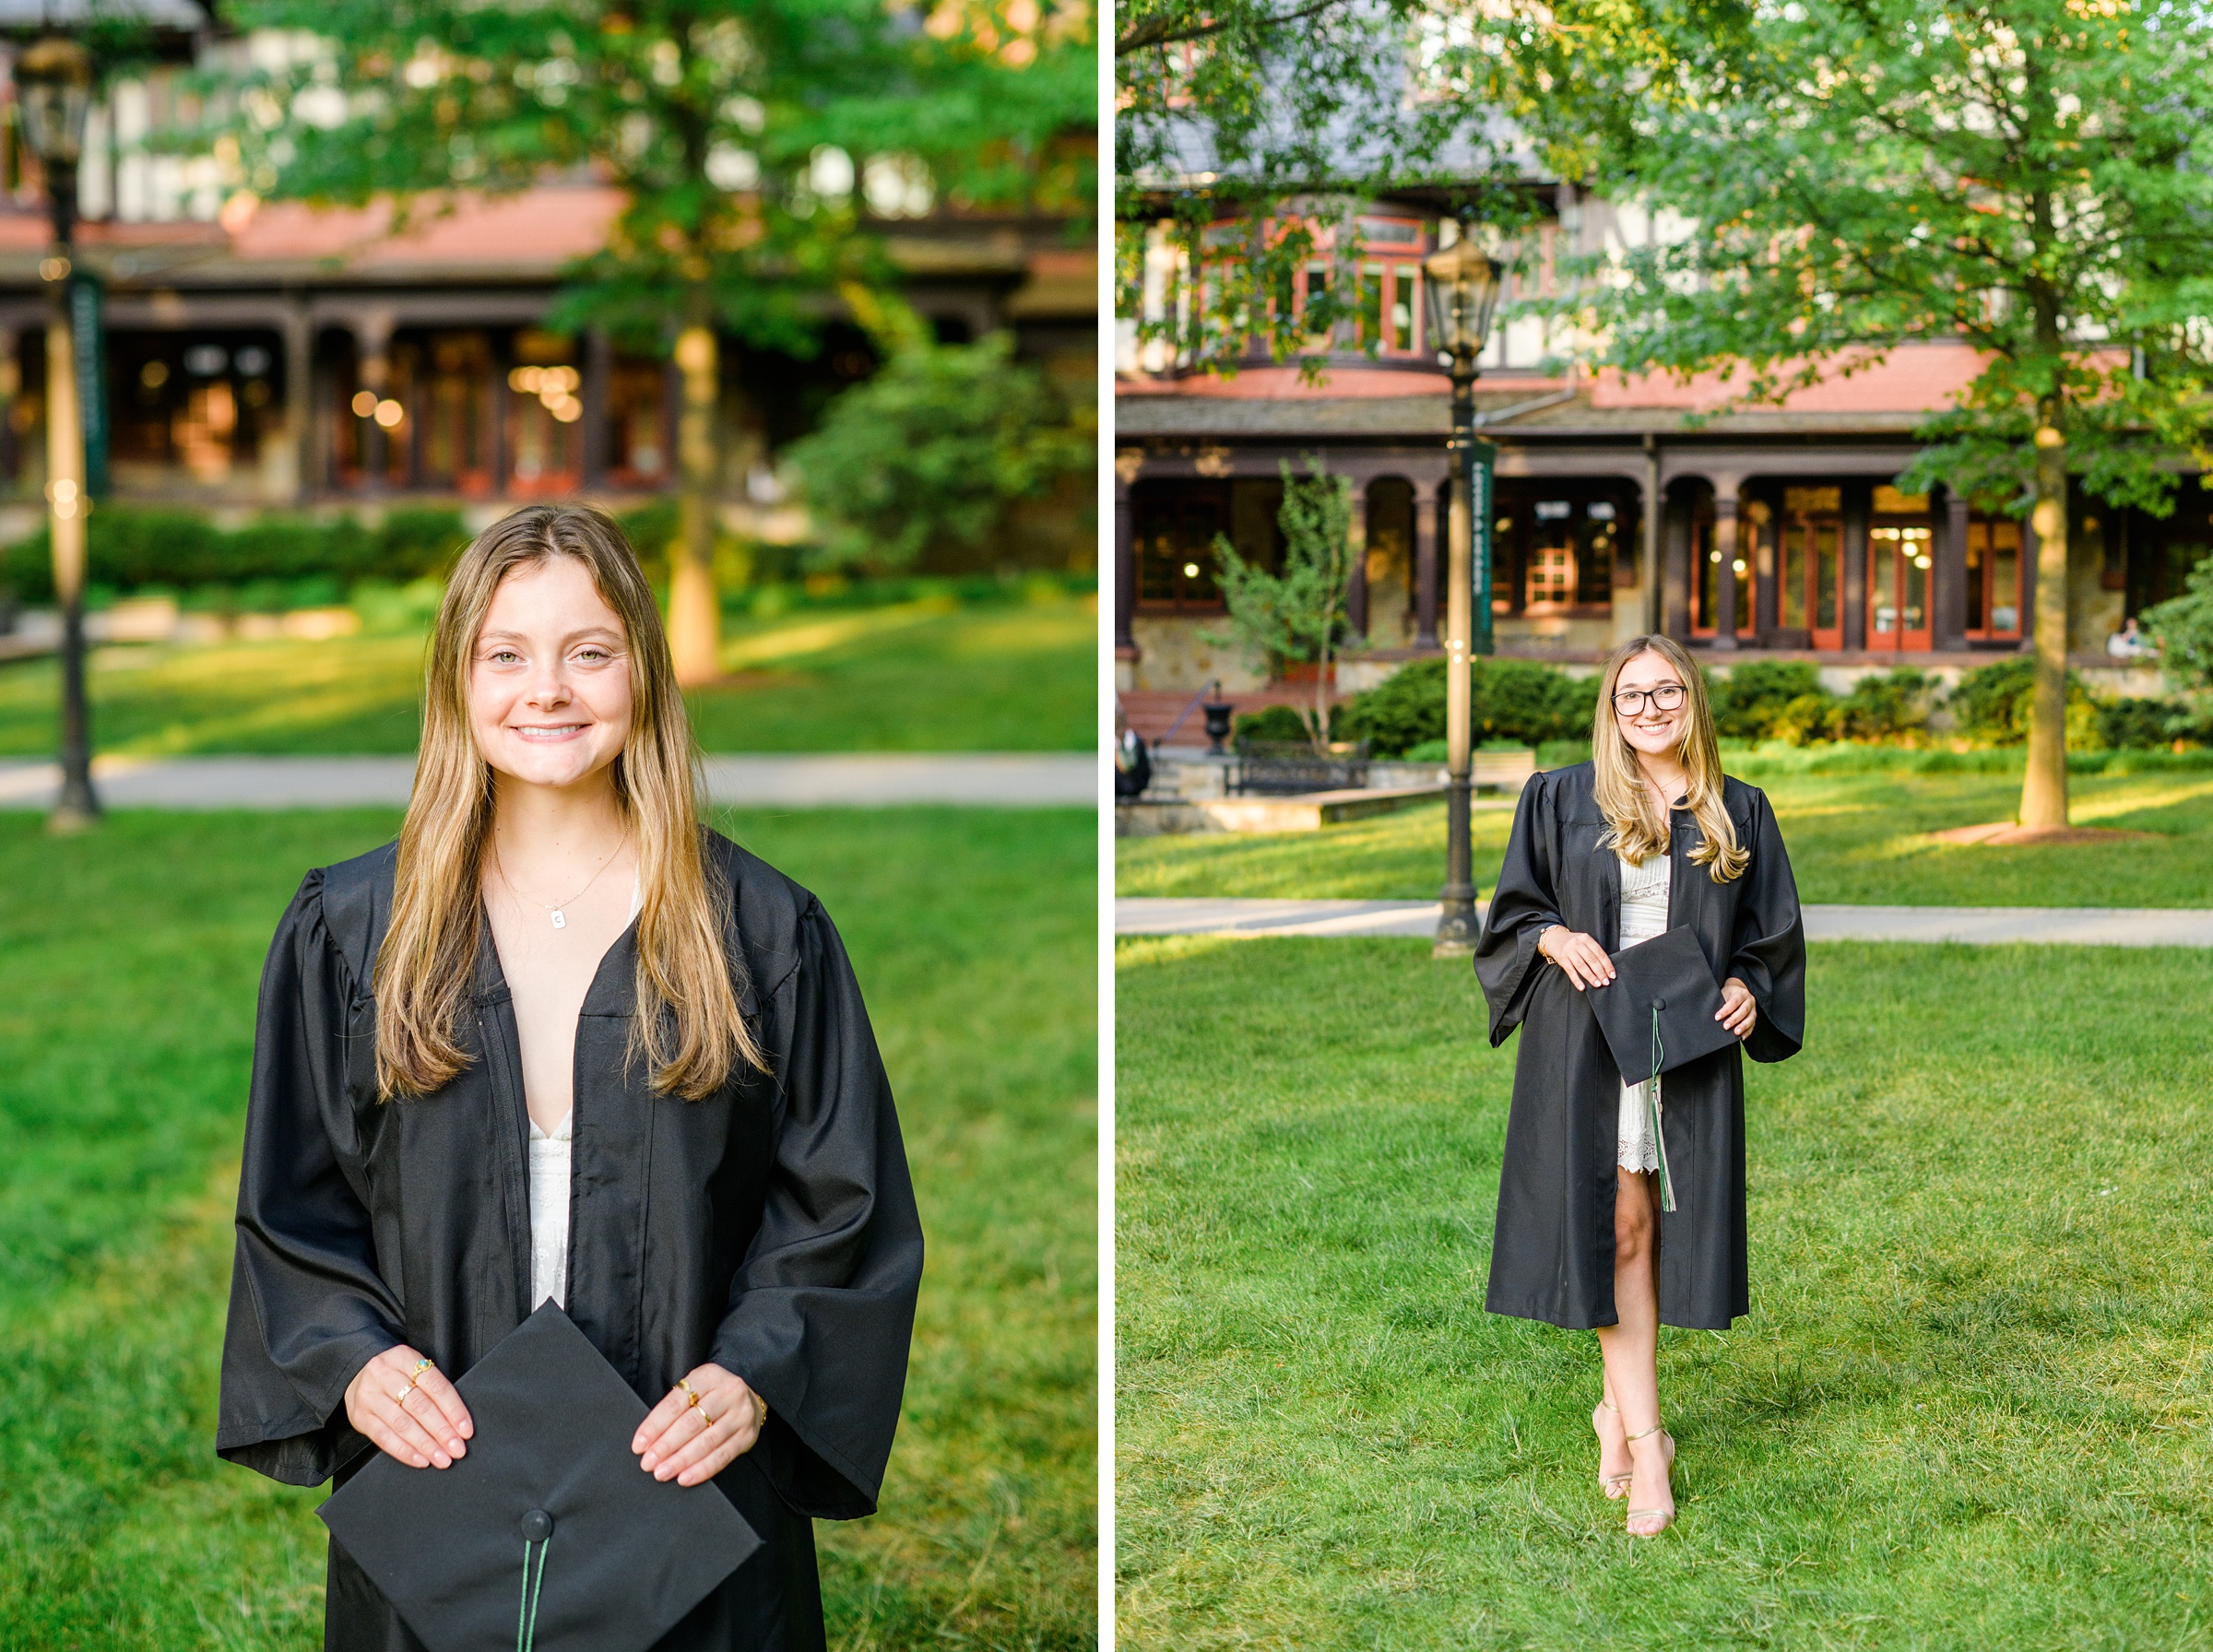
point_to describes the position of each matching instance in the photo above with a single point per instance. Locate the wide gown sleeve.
(1768, 947)
(822, 1308)
(308, 1308)
(1506, 961)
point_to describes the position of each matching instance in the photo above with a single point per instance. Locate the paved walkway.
(798, 780)
(2073, 926)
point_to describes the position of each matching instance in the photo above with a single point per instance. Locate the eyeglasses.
(1665, 697)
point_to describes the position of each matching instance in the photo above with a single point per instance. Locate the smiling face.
(549, 684)
(1651, 728)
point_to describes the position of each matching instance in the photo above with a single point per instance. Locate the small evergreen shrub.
(1752, 699)
(1991, 706)
(1270, 723)
(1522, 701)
(129, 550)
(1886, 707)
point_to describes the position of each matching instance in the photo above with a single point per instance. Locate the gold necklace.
(561, 918)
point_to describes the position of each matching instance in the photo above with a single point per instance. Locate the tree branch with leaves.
(750, 139)
(2034, 181)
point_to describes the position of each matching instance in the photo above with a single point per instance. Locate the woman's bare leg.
(1631, 1345)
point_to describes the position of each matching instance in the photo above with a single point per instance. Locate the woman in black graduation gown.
(1582, 1240)
(738, 1238)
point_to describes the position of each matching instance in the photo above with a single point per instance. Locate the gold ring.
(685, 1384)
(705, 1415)
(415, 1376)
(399, 1397)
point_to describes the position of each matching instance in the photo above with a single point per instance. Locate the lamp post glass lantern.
(1460, 286)
(53, 94)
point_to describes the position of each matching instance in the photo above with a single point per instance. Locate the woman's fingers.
(420, 1445)
(1739, 1012)
(1582, 958)
(673, 1435)
(447, 1412)
(712, 1450)
(1597, 968)
(413, 1415)
(694, 1443)
(675, 1404)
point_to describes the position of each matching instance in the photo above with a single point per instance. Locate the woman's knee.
(1633, 1228)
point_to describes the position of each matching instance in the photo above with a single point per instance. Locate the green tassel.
(525, 1625)
(1652, 1101)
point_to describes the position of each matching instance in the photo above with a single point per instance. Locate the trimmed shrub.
(1405, 710)
(1750, 702)
(130, 550)
(1891, 706)
(1991, 706)
(1808, 717)
(1519, 701)
(2126, 724)
(1270, 723)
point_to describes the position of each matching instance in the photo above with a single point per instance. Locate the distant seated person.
(1133, 764)
(2130, 643)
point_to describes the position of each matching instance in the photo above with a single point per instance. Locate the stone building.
(1776, 530)
(261, 354)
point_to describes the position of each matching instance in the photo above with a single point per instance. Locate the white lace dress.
(1644, 918)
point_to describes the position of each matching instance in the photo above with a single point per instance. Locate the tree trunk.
(694, 609)
(2045, 784)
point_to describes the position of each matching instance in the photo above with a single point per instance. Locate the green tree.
(2184, 626)
(751, 139)
(935, 450)
(1250, 132)
(1297, 614)
(2035, 179)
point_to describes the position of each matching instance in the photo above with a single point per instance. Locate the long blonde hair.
(425, 966)
(1638, 827)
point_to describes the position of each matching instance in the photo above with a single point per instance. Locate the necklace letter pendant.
(560, 919)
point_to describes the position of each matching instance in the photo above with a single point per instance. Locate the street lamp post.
(53, 85)
(1461, 286)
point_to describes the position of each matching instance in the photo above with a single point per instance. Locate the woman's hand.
(416, 1416)
(1583, 959)
(698, 1432)
(1738, 1012)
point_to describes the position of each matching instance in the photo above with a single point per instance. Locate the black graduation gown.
(770, 1228)
(1553, 1259)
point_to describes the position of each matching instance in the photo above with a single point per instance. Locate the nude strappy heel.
(1613, 1486)
(1638, 1513)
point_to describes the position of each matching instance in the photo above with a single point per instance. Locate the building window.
(1705, 568)
(1174, 526)
(638, 408)
(1382, 289)
(191, 407)
(1809, 564)
(1901, 541)
(543, 409)
(1993, 578)
(1557, 555)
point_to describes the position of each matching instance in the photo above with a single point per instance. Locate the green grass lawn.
(912, 677)
(128, 959)
(1859, 838)
(1970, 1409)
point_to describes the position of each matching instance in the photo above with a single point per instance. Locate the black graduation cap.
(547, 1536)
(1657, 1014)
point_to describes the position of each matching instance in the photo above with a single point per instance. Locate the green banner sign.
(88, 334)
(1483, 493)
